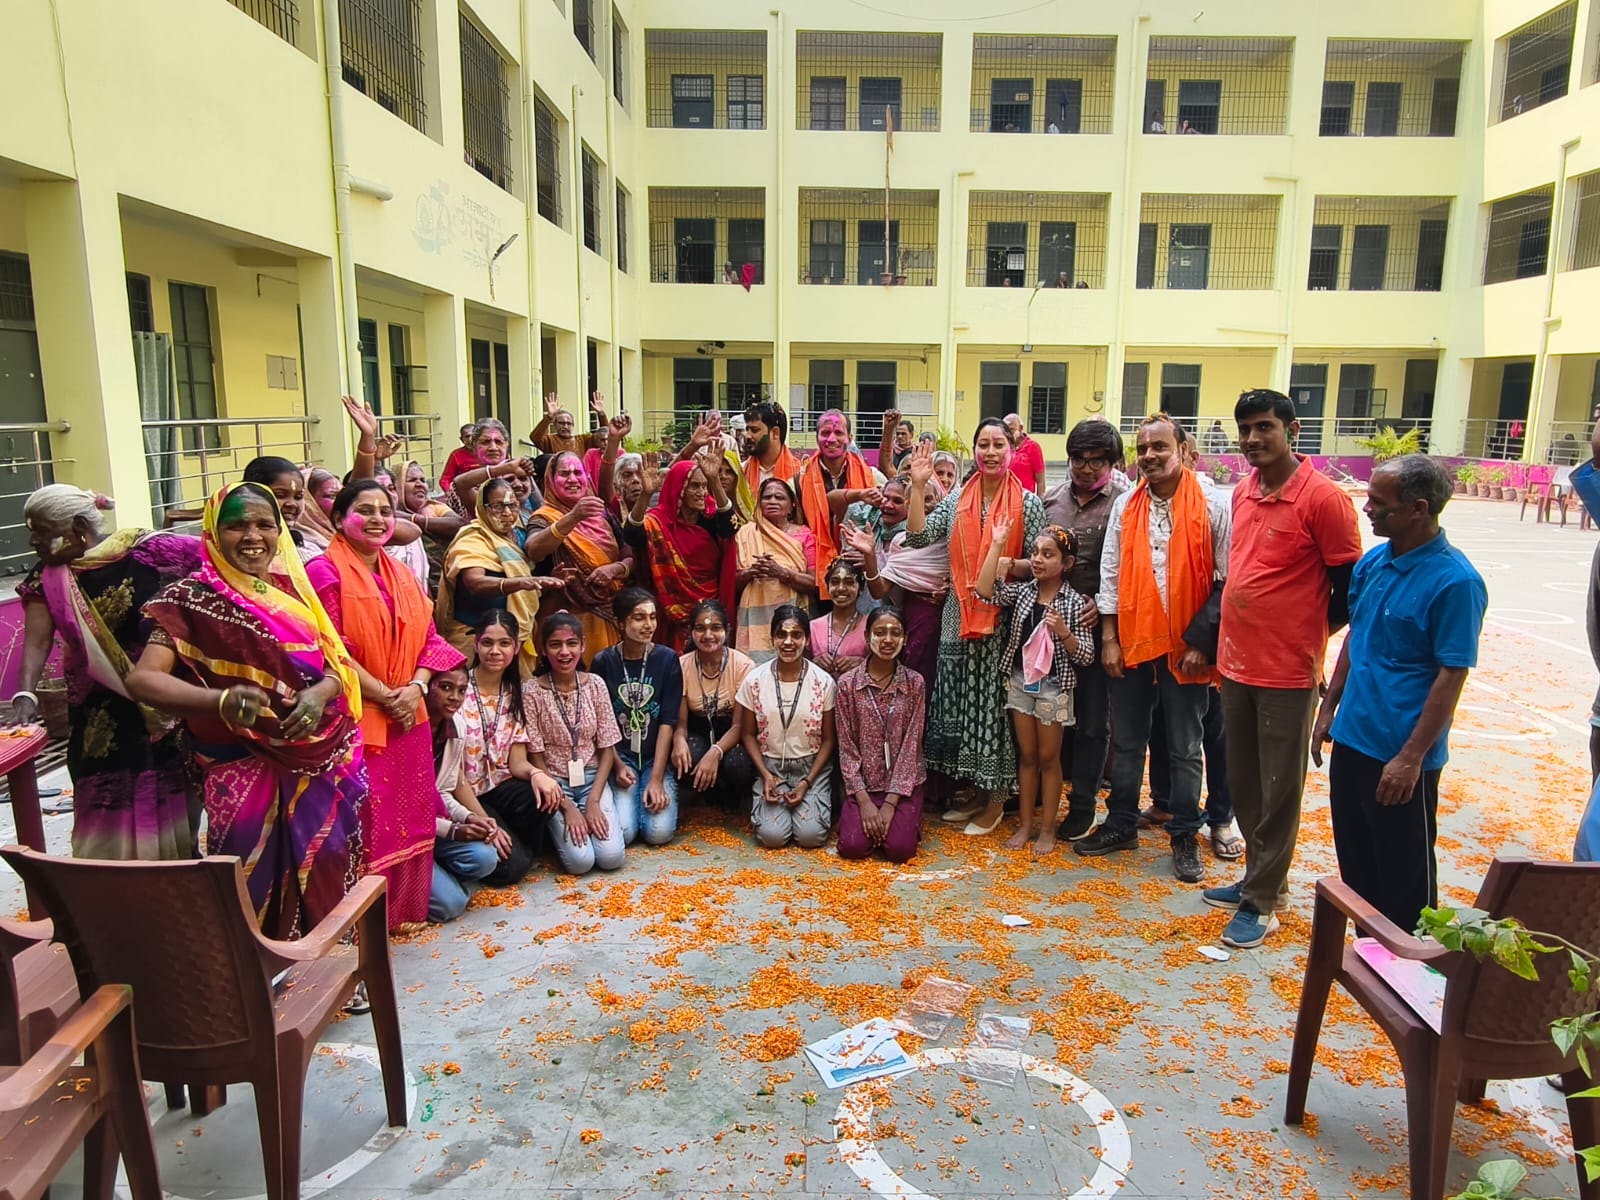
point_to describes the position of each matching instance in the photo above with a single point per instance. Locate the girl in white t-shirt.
(787, 711)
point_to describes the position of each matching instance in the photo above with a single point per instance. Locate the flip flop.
(1226, 842)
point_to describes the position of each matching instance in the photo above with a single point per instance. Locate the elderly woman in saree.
(776, 565)
(485, 569)
(131, 795)
(573, 536)
(687, 535)
(244, 653)
(316, 530)
(437, 521)
(386, 621)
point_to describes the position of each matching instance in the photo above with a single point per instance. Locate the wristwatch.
(420, 683)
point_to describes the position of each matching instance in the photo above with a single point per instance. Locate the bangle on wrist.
(873, 578)
(21, 693)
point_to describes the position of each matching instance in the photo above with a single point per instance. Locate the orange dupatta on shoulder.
(786, 467)
(1146, 627)
(388, 646)
(814, 505)
(969, 543)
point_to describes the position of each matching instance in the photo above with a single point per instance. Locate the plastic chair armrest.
(332, 928)
(1377, 926)
(33, 1080)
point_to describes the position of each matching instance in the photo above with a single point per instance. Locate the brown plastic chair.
(184, 936)
(37, 989)
(49, 1105)
(1494, 1026)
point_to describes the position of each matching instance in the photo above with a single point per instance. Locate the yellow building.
(218, 215)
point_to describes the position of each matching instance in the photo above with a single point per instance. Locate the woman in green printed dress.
(969, 739)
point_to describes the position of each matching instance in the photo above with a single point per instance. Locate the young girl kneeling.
(573, 735)
(1040, 704)
(787, 709)
(879, 715)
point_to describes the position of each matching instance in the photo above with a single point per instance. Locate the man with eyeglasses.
(1082, 503)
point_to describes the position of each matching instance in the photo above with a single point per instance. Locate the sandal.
(1153, 817)
(358, 1002)
(1226, 842)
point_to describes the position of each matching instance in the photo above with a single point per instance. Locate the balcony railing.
(187, 460)
(1406, 89)
(1048, 239)
(844, 239)
(735, 397)
(1494, 437)
(26, 464)
(707, 235)
(1217, 85)
(1535, 62)
(1035, 83)
(1207, 243)
(418, 435)
(866, 80)
(380, 45)
(1378, 243)
(866, 429)
(280, 16)
(705, 79)
(1519, 236)
(1335, 436)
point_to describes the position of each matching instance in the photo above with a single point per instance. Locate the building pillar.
(1452, 398)
(522, 348)
(1542, 408)
(449, 382)
(1116, 355)
(323, 362)
(80, 301)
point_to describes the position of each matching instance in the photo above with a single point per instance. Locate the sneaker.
(1106, 840)
(1186, 858)
(1079, 824)
(1229, 896)
(1248, 928)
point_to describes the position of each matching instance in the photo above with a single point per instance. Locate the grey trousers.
(805, 824)
(1268, 742)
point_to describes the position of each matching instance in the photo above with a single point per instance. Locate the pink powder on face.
(355, 528)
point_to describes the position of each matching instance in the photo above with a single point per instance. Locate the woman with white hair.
(131, 794)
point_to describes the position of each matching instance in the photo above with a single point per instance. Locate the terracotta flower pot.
(1483, 491)
(1461, 487)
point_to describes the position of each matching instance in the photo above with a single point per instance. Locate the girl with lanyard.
(880, 713)
(646, 686)
(573, 736)
(786, 709)
(708, 750)
(838, 642)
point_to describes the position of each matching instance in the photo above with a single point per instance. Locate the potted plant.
(1386, 444)
(1489, 483)
(1466, 479)
(1221, 471)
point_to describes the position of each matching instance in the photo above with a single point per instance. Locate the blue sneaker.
(1224, 897)
(1248, 928)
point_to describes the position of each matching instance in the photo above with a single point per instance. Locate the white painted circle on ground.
(1568, 586)
(1528, 616)
(1534, 729)
(347, 1166)
(860, 1153)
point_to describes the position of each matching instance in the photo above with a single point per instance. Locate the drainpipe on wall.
(530, 190)
(945, 407)
(577, 254)
(332, 59)
(1293, 215)
(613, 372)
(1536, 437)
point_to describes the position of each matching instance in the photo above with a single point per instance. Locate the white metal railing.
(1494, 438)
(418, 438)
(1330, 435)
(188, 459)
(26, 464)
(1569, 443)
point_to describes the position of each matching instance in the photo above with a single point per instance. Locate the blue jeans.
(605, 853)
(657, 827)
(459, 869)
(1214, 746)
(1183, 708)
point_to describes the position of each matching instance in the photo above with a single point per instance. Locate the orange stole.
(814, 503)
(388, 646)
(969, 543)
(1147, 628)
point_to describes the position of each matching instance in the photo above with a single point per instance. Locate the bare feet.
(1019, 839)
(1044, 844)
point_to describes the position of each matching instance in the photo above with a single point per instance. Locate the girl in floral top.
(573, 735)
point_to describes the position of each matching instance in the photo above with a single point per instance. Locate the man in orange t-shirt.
(1295, 542)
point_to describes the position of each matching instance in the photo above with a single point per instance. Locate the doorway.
(876, 384)
(1308, 388)
(1188, 257)
(1180, 394)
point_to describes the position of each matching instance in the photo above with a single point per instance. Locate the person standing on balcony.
(1294, 544)
(766, 445)
(1027, 460)
(131, 794)
(558, 430)
(1416, 612)
(1082, 503)
(1166, 550)
(834, 467)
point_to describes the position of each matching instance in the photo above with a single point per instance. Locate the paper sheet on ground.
(929, 1009)
(864, 1051)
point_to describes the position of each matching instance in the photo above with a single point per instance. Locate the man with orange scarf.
(1165, 556)
(834, 467)
(765, 446)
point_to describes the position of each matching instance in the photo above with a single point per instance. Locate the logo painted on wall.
(440, 221)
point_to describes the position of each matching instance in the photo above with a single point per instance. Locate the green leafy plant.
(950, 441)
(642, 445)
(1222, 472)
(1494, 476)
(1513, 946)
(1386, 444)
(1467, 473)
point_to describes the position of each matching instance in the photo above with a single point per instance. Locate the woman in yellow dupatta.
(777, 565)
(573, 536)
(485, 569)
(736, 487)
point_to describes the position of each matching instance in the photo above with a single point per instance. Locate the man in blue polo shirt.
(1585, 482)
(1416, 610)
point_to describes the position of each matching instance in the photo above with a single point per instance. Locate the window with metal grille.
(1180, 394)
(868, 79)
(692, 384)
(619, 58)
(1586, 222)
(859, 246)
(1036, 83)
(380, 49)
(593, 210)
(826, 387)
(686, 68)
(1378, 243)
(141, 312)
(1047, 400)
(1184, 90)
(1135, 392)
(743, 386)
(1044, 239)
(547, 159)
(280, 16)
(999, 385)
(1390, 87)
(485, 105)
(1534, 62)
(1355, 400)
(583, 25)
(1214, 243)
(193, 362)
(697, 235)
(622, 228)
(1519, 236)
(16, 288)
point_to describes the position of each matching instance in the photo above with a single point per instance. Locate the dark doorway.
(1063, 105)
(1516, 389)
(1007, 254)
(875, 393)
(1010, 106)
(870, 262)
(999, 388)
(1308, 388)
(1383, 110)
(1180, 394)
(696, 242)
(1188, 257)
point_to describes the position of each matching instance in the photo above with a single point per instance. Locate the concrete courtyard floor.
(639, 1033)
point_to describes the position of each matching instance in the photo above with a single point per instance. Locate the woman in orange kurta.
(572, 537)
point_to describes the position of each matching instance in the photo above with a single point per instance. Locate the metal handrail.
(35, 426)
(227, 422)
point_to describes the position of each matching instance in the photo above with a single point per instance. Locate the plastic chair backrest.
(179, 933)
(12, 944)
